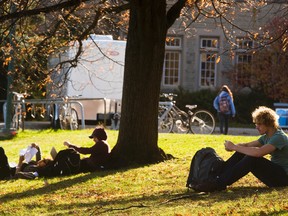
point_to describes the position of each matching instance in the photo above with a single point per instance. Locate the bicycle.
(68, 115)
(19, 110)
(172, 119)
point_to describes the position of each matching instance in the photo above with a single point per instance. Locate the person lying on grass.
(99, 152)
(27, 169)
(32, 165)
(249, 157)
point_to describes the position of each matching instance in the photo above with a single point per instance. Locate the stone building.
(202, 55)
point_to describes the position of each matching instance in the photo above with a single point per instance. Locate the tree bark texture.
(138, 133)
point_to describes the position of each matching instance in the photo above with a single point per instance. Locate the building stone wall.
(251, 20)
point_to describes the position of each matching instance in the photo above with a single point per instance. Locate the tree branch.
(174, 12)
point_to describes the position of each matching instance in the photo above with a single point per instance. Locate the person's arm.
(253, 148)
(38, 154)
(254, 143)
(215, 103)
(232, 105)
(81, 150)
(69, 145)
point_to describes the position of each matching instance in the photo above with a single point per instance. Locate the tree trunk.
(138, 133)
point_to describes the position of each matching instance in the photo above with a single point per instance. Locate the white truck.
(98, 76)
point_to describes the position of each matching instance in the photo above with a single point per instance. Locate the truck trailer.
(96, 80)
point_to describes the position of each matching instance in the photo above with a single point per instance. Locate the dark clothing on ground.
(5, 171)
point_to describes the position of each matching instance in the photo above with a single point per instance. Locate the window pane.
(173, 41)
(208, 69)
(243, 69)
(171, 68)
(209, 43)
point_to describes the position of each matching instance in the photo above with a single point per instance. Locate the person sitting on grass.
(99, 152)
(249, 157)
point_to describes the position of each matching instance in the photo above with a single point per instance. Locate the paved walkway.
(240, 131)
(232, 131)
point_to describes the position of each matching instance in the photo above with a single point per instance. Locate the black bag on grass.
(66, 162)
(206, 164)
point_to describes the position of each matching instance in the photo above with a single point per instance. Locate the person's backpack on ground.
(224, 105)
(66, 162)
(205, 166)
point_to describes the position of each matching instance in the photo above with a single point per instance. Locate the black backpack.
(66, 162)
(206, 164)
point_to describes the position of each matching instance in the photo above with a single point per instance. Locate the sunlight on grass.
(157, 189)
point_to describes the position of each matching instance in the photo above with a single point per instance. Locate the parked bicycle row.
(62, 113)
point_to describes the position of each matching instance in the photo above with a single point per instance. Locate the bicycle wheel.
(181, 122)
(166, 124)
(74, 120)
(64, 119)
(16, 122)
(202, 122)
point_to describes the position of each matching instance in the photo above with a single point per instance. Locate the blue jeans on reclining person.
(239, 165)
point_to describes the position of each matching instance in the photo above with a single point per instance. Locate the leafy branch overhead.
(38, 29)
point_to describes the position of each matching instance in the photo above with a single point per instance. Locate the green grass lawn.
(157, 189)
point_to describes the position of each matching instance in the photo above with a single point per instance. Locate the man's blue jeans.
(239, 165)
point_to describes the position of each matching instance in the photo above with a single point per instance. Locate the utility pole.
(10, 75)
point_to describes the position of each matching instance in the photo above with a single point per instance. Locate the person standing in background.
(224, 105)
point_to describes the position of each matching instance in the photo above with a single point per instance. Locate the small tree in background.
(268, 67)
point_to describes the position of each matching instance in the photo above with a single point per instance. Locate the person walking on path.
(250, 156)
(225, 107)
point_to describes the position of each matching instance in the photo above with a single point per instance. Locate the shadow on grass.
(102, 206)
(181, 198)
(60, 185)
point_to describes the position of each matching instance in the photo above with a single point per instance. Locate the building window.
(171, 69)
(209, 43)
(243, 61)
(173, 42)
(208, 61)
(244, 43)
(208, 69)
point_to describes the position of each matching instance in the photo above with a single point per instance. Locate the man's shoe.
(25, 175)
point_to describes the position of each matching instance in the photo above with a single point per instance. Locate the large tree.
(149, 21)
(138, 132)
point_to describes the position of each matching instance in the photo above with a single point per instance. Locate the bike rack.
(82, 113)
(45, 102)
